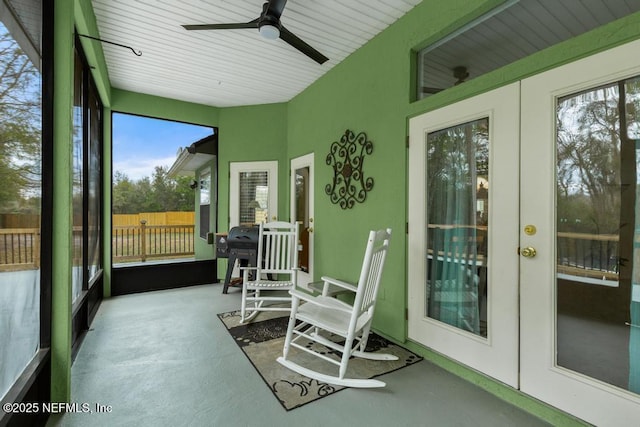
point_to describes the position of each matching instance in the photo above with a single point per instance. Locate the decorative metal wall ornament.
(347, 157)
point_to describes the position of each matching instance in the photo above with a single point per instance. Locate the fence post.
(143, 239)
(35, 254)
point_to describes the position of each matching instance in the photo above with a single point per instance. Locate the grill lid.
(243, 237)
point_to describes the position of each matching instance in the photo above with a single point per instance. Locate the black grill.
(243, 238)
(241, 245)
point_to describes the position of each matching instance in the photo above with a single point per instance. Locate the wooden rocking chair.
(322, 315)
(277, 259)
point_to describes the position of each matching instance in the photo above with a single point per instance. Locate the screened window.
(20, 188)
(78, 177)
(511, 31)
(156, 190)
(253, 192)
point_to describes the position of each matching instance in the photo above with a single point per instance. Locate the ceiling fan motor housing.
(269, 26)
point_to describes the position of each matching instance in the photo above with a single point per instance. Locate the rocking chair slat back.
(371, 273)
(323, 319)
(276, 270)
(279, 247)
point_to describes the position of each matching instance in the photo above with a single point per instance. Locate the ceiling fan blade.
(275, 8)
(250, 24)
(302, 46)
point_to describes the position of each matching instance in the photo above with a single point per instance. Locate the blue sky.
(142, 143)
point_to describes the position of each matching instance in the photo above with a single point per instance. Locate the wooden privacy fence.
(143, 241)
(154, 218)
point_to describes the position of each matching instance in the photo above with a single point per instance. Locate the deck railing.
(19, 249)
(588, 255)
(579, 254)
(142, 242)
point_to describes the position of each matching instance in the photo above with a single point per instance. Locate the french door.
(302, 211)
(463, 232)
(524, 235)
(580, 302)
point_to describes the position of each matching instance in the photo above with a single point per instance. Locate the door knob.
(528, 252)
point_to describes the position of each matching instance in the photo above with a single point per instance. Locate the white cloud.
(136, 168)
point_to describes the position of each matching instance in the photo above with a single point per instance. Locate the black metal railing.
(589, 255)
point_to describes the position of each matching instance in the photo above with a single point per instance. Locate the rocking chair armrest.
(300, 295)
(321, 301)
(341, 283)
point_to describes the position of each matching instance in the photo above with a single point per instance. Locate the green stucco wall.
(251, 133)
(86, 25)
(124, 101)
(62, 202)
(370, 91)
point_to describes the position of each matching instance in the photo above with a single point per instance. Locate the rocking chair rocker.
(277, 258)
(322, 315)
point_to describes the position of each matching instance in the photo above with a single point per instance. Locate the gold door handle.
(528, 252)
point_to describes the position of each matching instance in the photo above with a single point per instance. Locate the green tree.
(20, 126)
(589, 158)
(163, 190)
(158, 193)
(143, 197)
(123, 194)
(185, 195)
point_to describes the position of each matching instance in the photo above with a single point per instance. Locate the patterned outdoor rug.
(262, 341)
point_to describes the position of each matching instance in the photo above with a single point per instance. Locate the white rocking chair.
(277, 258)
(322, 315)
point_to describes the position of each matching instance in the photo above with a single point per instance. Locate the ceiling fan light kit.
(269, 32)
(269, 27)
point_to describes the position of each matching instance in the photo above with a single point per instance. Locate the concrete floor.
(164, 359)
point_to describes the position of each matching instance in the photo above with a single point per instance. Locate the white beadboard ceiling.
(225, 68)
(513, 31)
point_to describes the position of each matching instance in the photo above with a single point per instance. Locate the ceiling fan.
(461, 73)
(269, 26)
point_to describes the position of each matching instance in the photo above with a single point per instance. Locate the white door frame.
(235, 168)
(297, 163)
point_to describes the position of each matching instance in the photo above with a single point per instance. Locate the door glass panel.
(598, 278)
(302, 215)
(457, 206)
(78, 179)
(254, 197)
